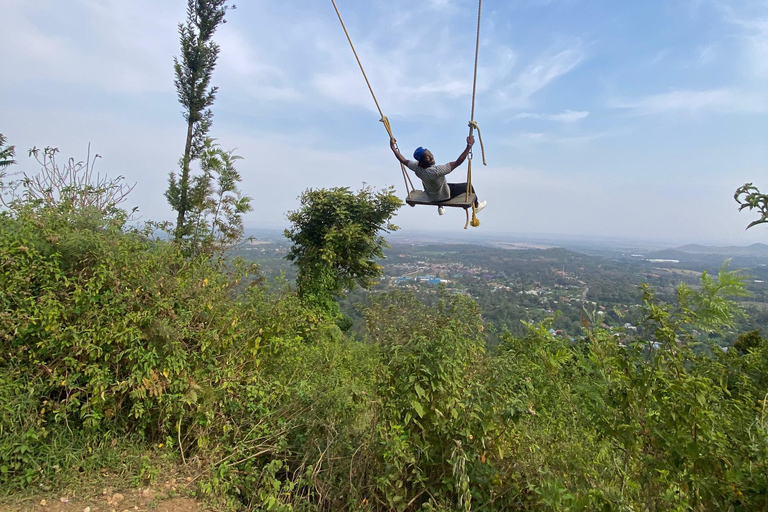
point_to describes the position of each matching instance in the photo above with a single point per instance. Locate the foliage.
(748, 196)
(193, 77)
(106, 333)
(76, 184)
(666, 415)
(748, 341)
(712, 308)
(336, 239)
(216, 205)
(6, 154)
(432, 424)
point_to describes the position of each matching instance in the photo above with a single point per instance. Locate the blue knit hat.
(419, 153)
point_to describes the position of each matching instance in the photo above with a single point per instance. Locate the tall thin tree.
(193, 78)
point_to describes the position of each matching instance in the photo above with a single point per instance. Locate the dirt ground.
(163, 497)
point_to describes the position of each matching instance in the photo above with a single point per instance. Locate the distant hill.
(759, 250)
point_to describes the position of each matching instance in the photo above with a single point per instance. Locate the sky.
(600, 118)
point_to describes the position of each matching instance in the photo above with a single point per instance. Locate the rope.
(406, 178)
(477, 52)
(472, 123)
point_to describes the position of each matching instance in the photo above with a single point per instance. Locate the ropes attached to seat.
(406, 178)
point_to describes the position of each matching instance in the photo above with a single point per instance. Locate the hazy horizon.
(447, 236)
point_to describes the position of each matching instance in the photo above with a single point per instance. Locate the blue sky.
(600, 118)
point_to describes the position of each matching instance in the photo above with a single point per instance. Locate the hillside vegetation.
(114, 341)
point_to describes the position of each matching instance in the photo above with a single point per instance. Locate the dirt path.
(160, 498)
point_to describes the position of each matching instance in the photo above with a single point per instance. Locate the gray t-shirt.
(433, 179)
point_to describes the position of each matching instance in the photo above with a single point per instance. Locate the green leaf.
(418, 408)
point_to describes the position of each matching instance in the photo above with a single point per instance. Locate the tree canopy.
(337, 236)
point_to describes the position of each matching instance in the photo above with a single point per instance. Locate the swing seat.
(420, 197)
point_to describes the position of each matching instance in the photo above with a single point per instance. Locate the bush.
(115, 334)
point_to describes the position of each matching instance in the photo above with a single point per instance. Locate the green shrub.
(432, 428)
(116, 334)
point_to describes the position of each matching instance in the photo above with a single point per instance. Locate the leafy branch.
(748, 196)
(6, 153)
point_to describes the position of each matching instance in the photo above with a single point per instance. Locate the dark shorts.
(458, 189)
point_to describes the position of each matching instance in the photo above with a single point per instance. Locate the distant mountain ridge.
(757, 249)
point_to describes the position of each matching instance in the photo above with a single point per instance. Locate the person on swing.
(433, 176)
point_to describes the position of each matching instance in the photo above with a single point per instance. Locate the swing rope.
(472, 123)
(406, 178)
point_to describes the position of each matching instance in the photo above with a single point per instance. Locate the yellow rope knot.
(474, 126)
(475, 221)
(385, 120)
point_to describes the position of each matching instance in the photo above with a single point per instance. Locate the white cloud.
(707, 53)
(660, 56)
(428, 72)
(751, 18)
(418, 73)
(757, 51)
(568, 116)
(526, 139)
(531, 139)
(539, 74)
(115, 45)
(440, 4)
(715, 100)
(246, 70)
(581, 140)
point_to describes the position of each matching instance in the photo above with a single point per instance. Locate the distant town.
(518, 283)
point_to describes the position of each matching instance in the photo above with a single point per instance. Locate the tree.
(336, 239)
(6, 153)
(193, 77)
(217, 205)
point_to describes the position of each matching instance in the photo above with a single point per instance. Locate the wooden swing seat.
(420, 197)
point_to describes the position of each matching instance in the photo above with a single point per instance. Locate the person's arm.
(400, 158)
(463, 155)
